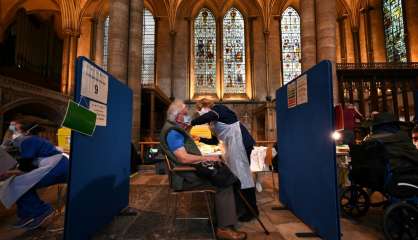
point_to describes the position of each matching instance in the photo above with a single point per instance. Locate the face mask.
(187, 119)
(203, 111)
(12, 128)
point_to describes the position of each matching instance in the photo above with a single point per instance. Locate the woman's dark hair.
(29, 127)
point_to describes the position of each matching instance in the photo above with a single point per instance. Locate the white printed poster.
(94, 83)
(101, 112)
(302, 89)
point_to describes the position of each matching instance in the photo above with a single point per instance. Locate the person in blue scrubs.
(31, 210)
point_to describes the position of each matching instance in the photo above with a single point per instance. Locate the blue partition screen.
(98, 187)
(307, 159)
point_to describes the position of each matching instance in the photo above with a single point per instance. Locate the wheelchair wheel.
(355, 202)
(400, 222)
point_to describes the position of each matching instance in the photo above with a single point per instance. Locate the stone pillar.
(69, 57)
(368, 32)
(343, 45)
(251, 30)
(326, 16)
(98, 59)
(119, 39)
(71, 63)
(172, 52)
(64, 68)
(411, 29)
(267, 60)
(93, 39)
(135, 63)
(356, 44)
(308, 27)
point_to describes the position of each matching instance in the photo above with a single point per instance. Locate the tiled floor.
(148, 197)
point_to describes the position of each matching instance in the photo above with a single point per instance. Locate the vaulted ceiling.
(71, 12)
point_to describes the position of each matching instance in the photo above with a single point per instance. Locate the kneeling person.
(181, 150)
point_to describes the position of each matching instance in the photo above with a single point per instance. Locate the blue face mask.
(187, 119)
(12, 128)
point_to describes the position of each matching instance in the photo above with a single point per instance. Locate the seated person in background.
(351, 115)
(40, 165)
(415, 136)
(401, 152)
(181, 150)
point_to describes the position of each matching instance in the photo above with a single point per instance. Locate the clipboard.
(7, 162)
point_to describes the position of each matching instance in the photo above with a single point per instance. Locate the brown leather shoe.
(230, 234)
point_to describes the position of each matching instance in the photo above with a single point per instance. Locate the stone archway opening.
(41, 112)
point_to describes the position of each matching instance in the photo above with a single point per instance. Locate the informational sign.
(291, 95)
(79, 118)
(101, 111)
(94, 83)
(302, 89)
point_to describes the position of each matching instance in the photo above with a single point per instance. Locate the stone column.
(119, 39)
(267, 60)
(411, 29)
(71, 63)
(343, 45)
(93, 39)
(135, 63)
(98, 59)
(326, 16)
(308, 30)
(69, 57)
(172, 52)
(368, 32)
(356, 44)
(251, 30)
(64, 69)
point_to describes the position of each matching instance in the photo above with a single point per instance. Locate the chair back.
(368, 164)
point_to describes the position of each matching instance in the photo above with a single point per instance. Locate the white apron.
(13, 188)
(235, 154)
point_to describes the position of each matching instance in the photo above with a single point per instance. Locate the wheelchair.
(369, 172)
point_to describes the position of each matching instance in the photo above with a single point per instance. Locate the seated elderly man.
(181, 150)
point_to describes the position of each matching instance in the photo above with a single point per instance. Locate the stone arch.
(33, 106)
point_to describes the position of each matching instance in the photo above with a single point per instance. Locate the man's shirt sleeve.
(175, 140)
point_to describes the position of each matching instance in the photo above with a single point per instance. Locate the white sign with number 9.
(94, 83)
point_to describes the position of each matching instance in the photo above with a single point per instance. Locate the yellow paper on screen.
(202, 131)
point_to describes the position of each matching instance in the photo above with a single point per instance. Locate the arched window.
(106, 42)
(205, 52)
(394, 31)
(234, 53)
(291, 48)
(148, 51)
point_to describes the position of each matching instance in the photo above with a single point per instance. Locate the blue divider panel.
(98, 187)
(307, 160)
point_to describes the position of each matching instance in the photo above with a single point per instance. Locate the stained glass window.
(234, 52)
(205, 52)
(106, 42)
(291, 48)
(394, 31)
(148, 51)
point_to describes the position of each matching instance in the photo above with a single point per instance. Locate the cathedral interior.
(235, 52)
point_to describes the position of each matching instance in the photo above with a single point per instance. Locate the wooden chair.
(206, 191)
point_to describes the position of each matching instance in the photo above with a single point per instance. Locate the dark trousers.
(225, 208)
(29, 205)
(248, 194)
